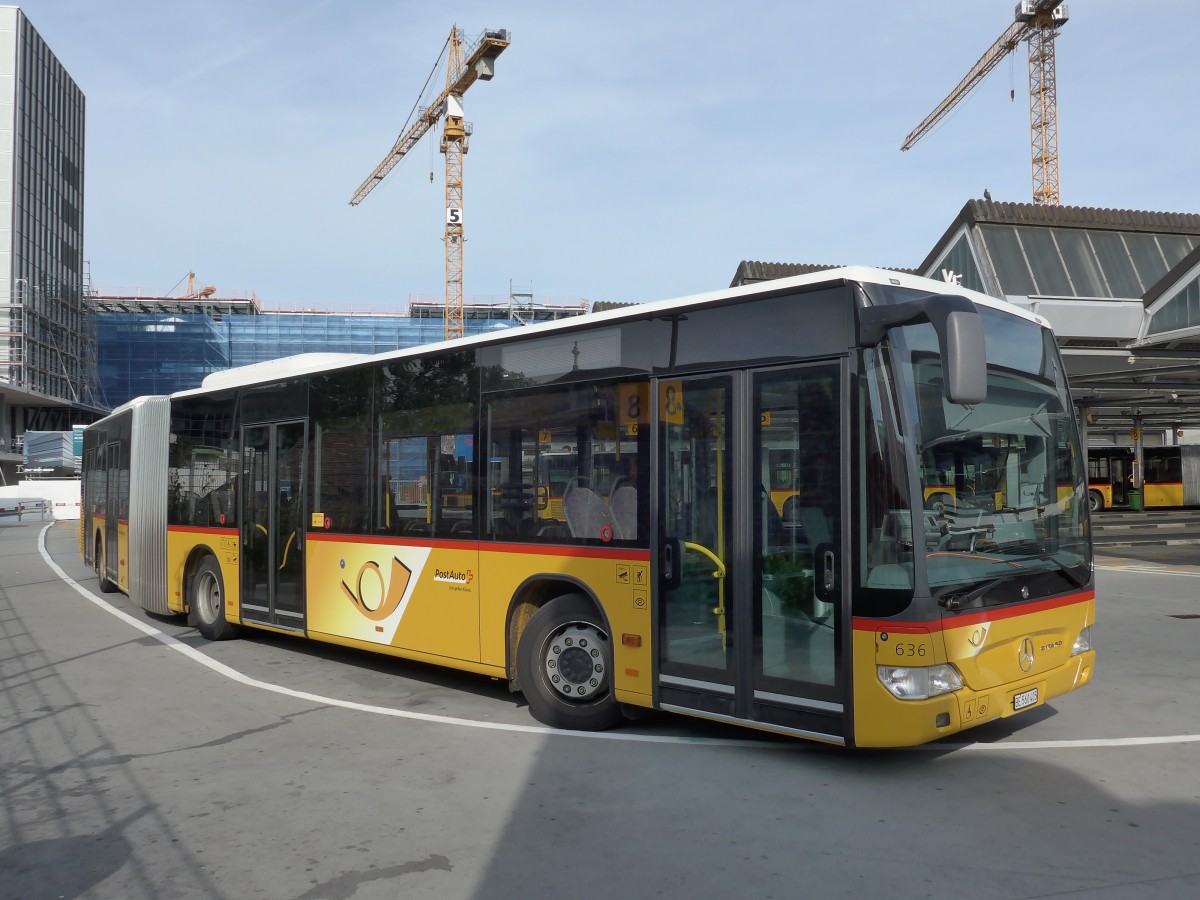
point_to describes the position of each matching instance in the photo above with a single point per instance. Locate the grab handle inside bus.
(960, 339)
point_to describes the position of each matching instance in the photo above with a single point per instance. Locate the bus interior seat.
(585, 510)
(775, 522)
(552, 530)
(624, 511)
(790, 508)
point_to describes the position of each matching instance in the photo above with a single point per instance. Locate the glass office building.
(47, 352)
(159, 352)
(43, 345)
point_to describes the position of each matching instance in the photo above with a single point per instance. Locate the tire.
(1095, 501)
(206, 602)
(564, 662)
(102, 581)
(941, 501)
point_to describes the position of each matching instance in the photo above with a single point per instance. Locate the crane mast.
(447, 106)
(1037, 22)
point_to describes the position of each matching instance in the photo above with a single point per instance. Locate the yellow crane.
(448, 105)
(1037, 22)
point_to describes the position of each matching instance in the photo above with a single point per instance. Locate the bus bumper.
(881, 720)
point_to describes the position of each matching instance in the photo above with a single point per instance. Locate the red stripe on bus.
(200, 529)
(584, 552)
(487, 546)
(862, 623)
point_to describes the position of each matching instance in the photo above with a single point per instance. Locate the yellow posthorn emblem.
(375, 597)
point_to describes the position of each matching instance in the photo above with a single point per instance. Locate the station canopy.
(1121, 289)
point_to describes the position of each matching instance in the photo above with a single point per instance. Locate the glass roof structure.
(1120, 288)
(1080, 262)
(1174, 304)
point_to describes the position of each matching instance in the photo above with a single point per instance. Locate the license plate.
(1025, 698)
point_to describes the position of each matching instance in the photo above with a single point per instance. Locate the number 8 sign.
(670, 402)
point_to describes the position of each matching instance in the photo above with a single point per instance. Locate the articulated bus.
(1171, 476)
(720, 506)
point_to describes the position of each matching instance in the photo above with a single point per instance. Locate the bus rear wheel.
(940, 501)
(565, 665)
(102, 580)
(1095, 501)
(206, 601)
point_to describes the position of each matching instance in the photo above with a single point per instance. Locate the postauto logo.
(372, 595)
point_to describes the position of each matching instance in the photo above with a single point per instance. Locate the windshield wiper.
(955, 602)
(1068, 571)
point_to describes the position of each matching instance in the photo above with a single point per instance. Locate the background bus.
(1171, 478)
(716, 506)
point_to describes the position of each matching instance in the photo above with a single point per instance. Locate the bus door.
(750, 555)
(112, 509)
(1121, 469)
(272, 523)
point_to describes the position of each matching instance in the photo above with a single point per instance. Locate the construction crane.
(1037, 22)
(194, 293)
(448, 105)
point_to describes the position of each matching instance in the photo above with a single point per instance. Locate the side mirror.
(959, 330)
(964, 358)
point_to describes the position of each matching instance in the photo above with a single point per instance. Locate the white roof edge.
(868, 274)
(271, 369)
(307, 363)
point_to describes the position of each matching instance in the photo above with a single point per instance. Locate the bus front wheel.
(1095, 501)
(564, 662)
(207, 602)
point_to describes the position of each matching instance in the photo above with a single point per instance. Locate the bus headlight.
(1083, 643)
(920, 682)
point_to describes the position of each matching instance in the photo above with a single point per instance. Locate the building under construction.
(47, 351)
(159, 345)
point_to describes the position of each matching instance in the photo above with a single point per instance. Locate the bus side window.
(563, 465)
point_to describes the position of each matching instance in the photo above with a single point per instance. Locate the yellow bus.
(738, 526)
(1171, 477)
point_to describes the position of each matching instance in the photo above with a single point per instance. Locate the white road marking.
(241, 678)
(1152, 569)
(1071, 745)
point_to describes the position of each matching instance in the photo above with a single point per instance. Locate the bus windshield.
(1003, 495)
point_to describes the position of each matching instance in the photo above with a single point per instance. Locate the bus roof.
(133, 404)
(280, 368)
(313, 363)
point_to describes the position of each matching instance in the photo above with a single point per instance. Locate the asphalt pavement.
(138, 762)
(1170, 537)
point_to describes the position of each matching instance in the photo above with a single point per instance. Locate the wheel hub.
(209, 596)
(574, 661)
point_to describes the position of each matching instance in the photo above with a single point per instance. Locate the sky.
(624, 151)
